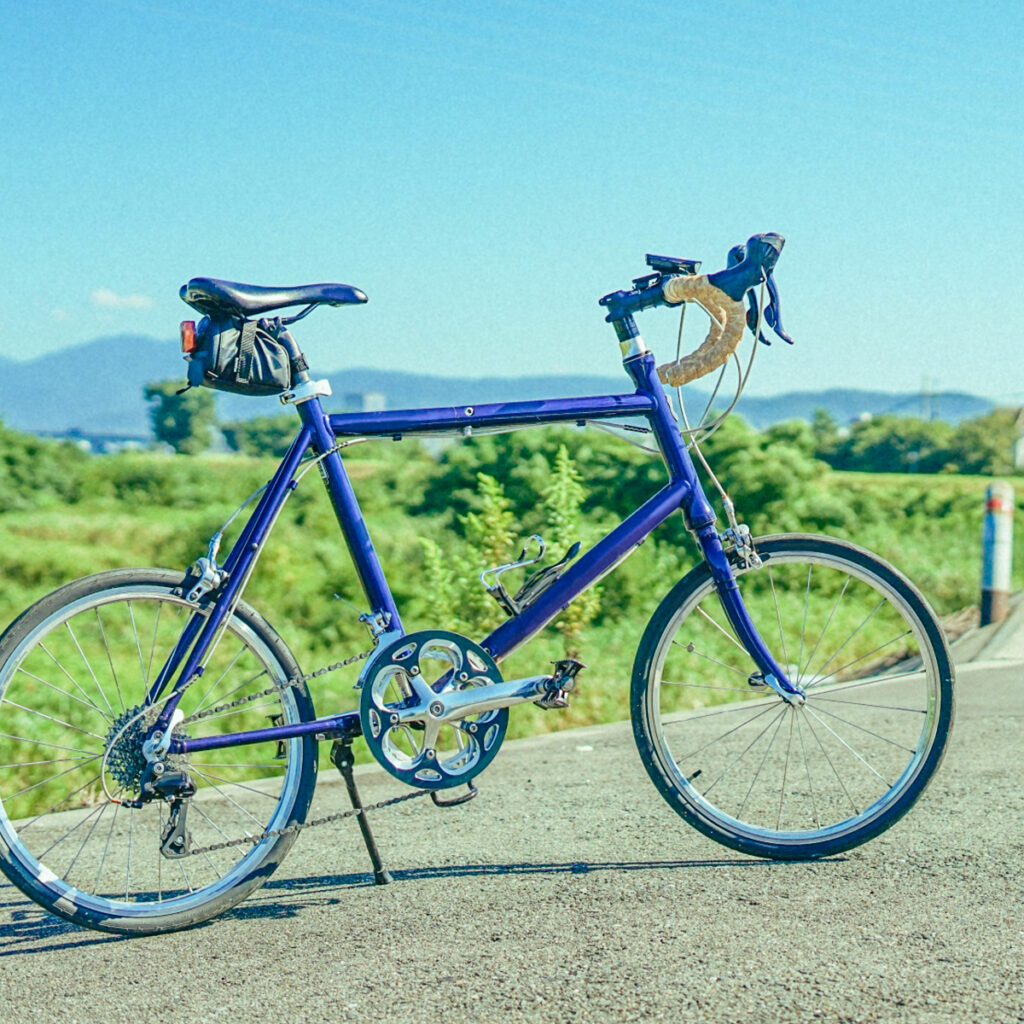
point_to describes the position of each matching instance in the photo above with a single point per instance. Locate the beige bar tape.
(723, 337)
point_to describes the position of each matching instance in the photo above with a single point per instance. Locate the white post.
(997, 553)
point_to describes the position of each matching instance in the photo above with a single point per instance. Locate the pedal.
(553, 700)
(562, 681)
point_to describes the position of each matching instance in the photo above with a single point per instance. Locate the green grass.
(143, 510)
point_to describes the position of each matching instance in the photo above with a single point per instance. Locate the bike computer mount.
(662, 266)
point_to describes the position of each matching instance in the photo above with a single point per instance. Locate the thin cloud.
(107, 299)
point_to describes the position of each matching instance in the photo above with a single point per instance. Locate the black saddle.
(210, 296)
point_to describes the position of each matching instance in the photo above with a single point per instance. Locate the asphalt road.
(568, 891)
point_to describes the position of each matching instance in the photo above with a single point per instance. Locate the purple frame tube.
(320, 431)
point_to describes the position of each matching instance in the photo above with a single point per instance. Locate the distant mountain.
(96, 388)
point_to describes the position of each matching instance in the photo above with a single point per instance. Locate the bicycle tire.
(74, 669)
(768, 778)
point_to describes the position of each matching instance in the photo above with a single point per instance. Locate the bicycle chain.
(289, 829)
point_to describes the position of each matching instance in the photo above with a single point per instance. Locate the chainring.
(401, 709)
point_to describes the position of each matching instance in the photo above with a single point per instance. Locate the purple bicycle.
(791, 696)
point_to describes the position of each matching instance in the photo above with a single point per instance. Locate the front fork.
(772, 674)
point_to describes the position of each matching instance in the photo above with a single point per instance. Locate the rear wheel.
(74, 673)
(782, 780)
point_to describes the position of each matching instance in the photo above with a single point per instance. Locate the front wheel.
(75, 670)
(782, 780)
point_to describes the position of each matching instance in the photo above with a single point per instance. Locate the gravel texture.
(569, 892)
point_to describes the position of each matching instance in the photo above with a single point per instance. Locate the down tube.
(590, 567)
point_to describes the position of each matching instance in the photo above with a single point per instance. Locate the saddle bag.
(240, 356)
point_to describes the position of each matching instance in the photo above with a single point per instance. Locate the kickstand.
(342, 759)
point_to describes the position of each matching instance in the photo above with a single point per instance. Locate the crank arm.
(458, 704)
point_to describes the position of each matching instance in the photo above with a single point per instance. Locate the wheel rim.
(748, 764)
(76, 673)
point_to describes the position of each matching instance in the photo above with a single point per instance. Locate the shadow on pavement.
(29, 925)
(297, 894)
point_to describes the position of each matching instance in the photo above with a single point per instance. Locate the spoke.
(725, 709)
(88, 665)
(707, 686)
(729, 732)
(828, 622)
(44, 743)
(74, 860)
(241, 686)
(227, 796)
(854, 725)
(764, 759)
(855, 753)
(849, 664)
(865, 704)
(50, 718)
(835, 771)
(725, 771)
(110, 659)
(835, 653)
(803, 624)
(807, 768)
(728, 636)
(71, 831)
(128, 865)
(106, 848)
(152, 644)
(66, 771)
(854, 684)
(785, 774)
(184, 874)
(63, 800)
(691, 648)
(245, 764)
(240, 785)
(778, 616)
(88, 703)
(52, 760)
(231, 664)
(138, 644)
(74, 682)
(195, 807)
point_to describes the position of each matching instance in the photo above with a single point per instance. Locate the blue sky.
(486, 171)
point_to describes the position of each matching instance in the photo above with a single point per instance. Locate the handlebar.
(720, 293)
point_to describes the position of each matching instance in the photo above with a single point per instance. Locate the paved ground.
(570, 892)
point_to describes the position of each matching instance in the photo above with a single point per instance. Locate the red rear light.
(188, 336)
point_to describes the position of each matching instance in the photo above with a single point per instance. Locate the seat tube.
(350, 516)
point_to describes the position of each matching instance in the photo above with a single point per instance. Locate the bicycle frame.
(320, 433)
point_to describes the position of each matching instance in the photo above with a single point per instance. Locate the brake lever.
(772, 312)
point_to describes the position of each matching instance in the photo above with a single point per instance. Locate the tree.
(262, 435)
(985, 444)
(895, 444)
(185, 422)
